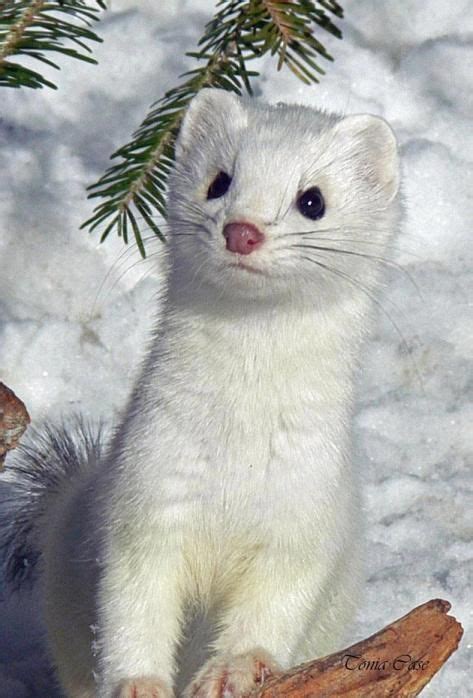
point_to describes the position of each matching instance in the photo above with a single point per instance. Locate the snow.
(70, 328)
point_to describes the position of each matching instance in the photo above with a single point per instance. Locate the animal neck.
(259, 334)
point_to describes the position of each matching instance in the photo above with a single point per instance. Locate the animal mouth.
(246, 267)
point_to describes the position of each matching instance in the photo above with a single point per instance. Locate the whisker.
(381, 260)
(280, 218)
(312, 172)
(139, 261)
(196, 272)
(148, 272)
(122, 258)
(373, 243)
(356, 283)
(193, 207)
(314, 234)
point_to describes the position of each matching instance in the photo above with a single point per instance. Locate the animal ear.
(210, 111)
(371, 142)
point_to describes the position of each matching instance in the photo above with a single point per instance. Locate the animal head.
(271, 201)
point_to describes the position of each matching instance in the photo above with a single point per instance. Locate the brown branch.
(397, 661)
(278, 14)
(14, 419)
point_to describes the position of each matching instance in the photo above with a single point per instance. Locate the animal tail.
(48, 461)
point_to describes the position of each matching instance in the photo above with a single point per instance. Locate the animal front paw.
(143, 687)
(232, 676)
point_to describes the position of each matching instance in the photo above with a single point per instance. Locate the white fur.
(228, 490)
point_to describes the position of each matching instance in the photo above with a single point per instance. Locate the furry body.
(226, 502)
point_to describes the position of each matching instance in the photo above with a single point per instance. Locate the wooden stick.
(397, 661)
(14, 419)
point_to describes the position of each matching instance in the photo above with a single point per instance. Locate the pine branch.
(35, 28)
(240, 31)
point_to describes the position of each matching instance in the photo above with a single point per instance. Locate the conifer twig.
(36, 28)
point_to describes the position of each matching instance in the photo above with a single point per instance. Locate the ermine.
(216, 539)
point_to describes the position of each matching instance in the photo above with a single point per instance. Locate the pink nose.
(242, 237)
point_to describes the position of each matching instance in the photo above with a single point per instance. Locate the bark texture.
(397, 661)
(14, 419)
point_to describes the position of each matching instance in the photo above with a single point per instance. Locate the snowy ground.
(67, 344)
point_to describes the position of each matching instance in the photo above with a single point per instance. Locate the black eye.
(219, 186)
(311, 203)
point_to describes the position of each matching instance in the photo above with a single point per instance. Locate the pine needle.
(33, 29)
